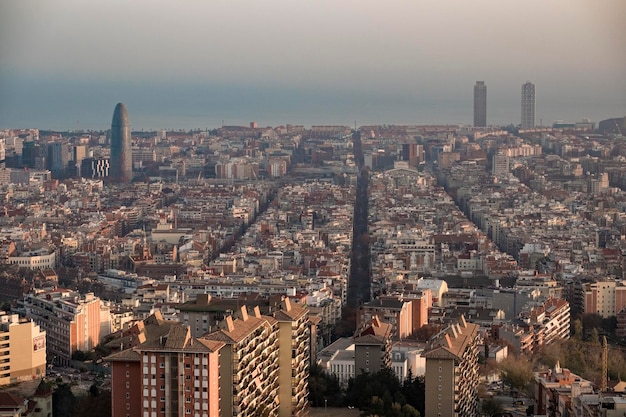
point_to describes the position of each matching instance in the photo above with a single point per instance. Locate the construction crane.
(605, 364)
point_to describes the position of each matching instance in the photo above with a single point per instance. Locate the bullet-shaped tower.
(121, 153)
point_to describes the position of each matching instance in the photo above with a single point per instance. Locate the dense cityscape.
(391, 270)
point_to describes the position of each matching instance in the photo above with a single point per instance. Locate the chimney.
(287, 304)
(257, 312)
(463, 322)
(454, 332)
(244, 313)
(448, 341)
(229, 323)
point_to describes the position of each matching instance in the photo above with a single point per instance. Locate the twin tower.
(121, 152)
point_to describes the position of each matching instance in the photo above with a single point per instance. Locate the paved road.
(333, 412)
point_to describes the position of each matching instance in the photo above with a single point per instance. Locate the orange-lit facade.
(172, 375)
(71, 321)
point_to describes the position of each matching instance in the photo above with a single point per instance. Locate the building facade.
(528, 105)
(480, 104)
(372, 347)
(121, 149)
(255, 365)
(295, 344)
(22, 349)
(71, 321)
(249, 365)
(452, 372)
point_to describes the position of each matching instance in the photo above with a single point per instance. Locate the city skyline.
(199, 65)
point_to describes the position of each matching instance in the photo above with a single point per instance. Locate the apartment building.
(605, 298)
(22, 349)
(556, 388)
(452, 371)
(551, 321)
(295, 357)
(392, 310)
(372, 347)
(172, 374)
(249, 365)
(71, 321)
(254, 364)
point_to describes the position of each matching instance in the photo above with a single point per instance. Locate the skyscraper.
(480, 104)
(121, 153)
(528, 105)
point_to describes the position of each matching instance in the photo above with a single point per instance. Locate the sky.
(64, 64)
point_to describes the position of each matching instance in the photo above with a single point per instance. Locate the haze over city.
(200, 64)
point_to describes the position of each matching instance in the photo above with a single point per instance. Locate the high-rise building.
(295, 343)
(452, 371)
(528, 105)
(58, 157)
(121, 151)
(71, 321)
(372, 347)
(255, 365)
(480, 104)
(170, 373)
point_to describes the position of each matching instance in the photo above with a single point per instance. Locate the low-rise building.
(556, 388)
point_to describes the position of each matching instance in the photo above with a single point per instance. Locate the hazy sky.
(66, 63)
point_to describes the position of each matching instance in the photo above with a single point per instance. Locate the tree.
(491, 407)
(578, 329)
(517, 372)
(324, 388)
(63, 401)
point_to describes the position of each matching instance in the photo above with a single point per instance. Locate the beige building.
(452, 372)
(22, 349)
(605, 298)
(295, 357)
(249, 365)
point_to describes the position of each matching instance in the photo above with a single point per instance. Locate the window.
(128, 395)
(127, 374)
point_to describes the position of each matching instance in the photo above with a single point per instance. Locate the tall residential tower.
(528, 105)
(121, 153)
(480, 104)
